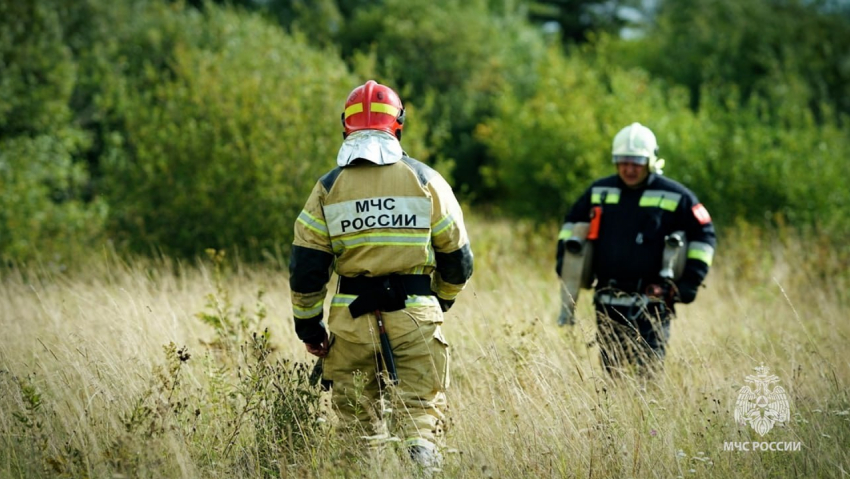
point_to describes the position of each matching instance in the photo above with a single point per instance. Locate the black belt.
(626, 286)
(383, 293)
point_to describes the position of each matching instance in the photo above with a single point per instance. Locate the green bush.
(226, 129)
(766, 167)
(746, 43)
(175, 128)
(44, 210)
(37, 70)
(41, 216)
(454, 60)
(549, 148)
(758, 160)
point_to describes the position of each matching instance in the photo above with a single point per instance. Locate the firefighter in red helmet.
(393, 231)
(373, 107)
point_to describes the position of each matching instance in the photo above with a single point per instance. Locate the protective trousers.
(632, 335)
(418, 402)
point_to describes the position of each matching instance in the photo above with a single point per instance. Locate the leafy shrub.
(549, 147)
(38, 70)
(453, 60)
(224, 135)
(758, 160)
(41, 215)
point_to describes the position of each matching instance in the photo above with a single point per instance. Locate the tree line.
(172, 127)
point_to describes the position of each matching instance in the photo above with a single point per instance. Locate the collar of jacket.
(647, 183)
(376, 146)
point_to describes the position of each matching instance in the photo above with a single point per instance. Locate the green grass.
(145, 368)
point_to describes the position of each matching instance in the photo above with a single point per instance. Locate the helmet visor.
(637, 160)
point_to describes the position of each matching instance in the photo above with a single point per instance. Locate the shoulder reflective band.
(612, 195)
(311, 222)
(442, 225)
(701, 251)
(666, 200)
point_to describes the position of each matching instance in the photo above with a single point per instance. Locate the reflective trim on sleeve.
(430, 261)
(442, 225)
(566, 231)
(381, 239)
(449, 295)
(313, 223)
(701, 251)
(301, 313)
(666, 200)
(342, 300)
(612, 195)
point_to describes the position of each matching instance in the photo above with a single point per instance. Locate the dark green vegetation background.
(171, 127)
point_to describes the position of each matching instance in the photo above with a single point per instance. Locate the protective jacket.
(368, 220)
(633, 225)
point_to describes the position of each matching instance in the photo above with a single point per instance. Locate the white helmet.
(637, 144)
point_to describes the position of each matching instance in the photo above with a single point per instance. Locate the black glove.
(311, 331)
(445, 304)
(687, 292)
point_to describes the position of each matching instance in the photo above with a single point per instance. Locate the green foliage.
(35, 437)
(549, 147)
(224, 133)
(41, 213)
(579, 19)
(38, 72)
(230, 324)
(759, 160)
(273, 398)
(776, 168)
(169, 127)
(457, 58)
(751, 44)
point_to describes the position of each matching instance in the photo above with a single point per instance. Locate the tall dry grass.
(152, 369)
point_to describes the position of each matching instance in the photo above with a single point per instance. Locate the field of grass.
(158, 369)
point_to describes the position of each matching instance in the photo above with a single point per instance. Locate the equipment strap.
(383, 293)
(625, 300)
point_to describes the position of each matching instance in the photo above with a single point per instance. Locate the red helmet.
(373, 107)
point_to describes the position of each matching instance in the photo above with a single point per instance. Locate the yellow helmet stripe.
(352, 109)
(384, 108)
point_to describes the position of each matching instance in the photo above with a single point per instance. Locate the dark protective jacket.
(633, 226)
(373, 221)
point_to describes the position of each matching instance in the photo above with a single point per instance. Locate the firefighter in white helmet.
(631, 218)
(393, 231)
